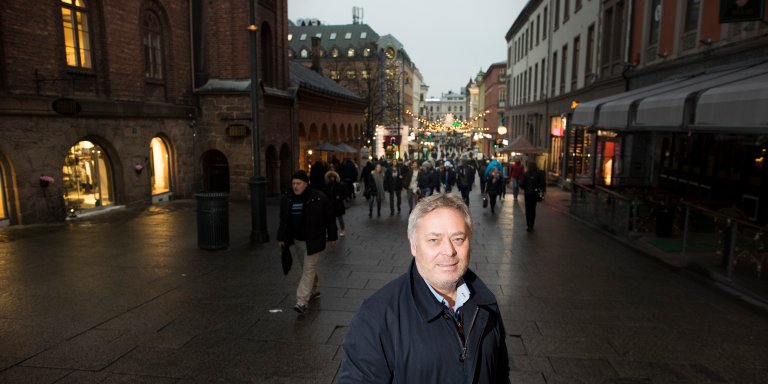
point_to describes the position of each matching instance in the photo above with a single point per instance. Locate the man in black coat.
(465, 178)
(438, 322)
(307, 221)
(394, 178)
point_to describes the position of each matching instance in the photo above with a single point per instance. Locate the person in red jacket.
(515, 176)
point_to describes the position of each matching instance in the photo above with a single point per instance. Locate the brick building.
(126, 104)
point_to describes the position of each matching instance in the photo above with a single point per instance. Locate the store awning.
(670, 105)
(740, 107)
(346, 148)
(328, 147)
(521, 145)
(668, 110)
(587, 113)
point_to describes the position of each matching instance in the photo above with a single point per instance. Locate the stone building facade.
(106, 104)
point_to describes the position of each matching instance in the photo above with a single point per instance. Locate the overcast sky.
(449, 40)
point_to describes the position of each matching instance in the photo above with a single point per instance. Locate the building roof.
(340, 36)
(303, 77)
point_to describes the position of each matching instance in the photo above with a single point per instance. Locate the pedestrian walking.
(427, 179)
(394, 178)
(494, 185)
(482, 165)
(365, 177)
(516, 175)
(375, 189)
(413, 192)
(534, 185)
(317, 175)
(307, 222)
(465, 179)
(336, 192)
(348, 176)
(447, 177)
(438, 322)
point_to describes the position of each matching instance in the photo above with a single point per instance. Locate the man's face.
(298, 186)
(441, 248)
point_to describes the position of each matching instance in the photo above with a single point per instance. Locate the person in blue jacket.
(438, 322)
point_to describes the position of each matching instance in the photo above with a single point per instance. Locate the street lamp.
(257, 182)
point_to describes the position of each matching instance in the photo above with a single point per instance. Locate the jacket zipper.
(464, 342)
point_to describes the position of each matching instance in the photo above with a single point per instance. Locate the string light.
(458, 126)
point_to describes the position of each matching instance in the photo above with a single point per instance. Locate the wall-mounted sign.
(238, 130)
(66, 106)
(737, 11)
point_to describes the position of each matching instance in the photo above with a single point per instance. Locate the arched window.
(160, 161)
(77, 37)
(151, 32)
(351, 52)
(304, 53)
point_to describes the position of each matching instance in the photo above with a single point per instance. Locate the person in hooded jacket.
(438, 322)
(337, 192)
(494, 186)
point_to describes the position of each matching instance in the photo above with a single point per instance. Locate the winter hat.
(300, 175)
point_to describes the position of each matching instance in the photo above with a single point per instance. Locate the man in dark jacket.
(465, 178)
(394, 178)
(307, 222)
(437, 323)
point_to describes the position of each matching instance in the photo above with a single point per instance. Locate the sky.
(450, 41)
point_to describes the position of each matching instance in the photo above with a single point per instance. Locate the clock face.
(390, 52)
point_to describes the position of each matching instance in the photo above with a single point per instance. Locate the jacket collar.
(428, 306)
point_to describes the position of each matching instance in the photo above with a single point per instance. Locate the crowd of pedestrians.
(312, 211)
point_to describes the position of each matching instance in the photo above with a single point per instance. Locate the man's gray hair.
(437, 201)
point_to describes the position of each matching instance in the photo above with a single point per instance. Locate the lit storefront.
(87, 178)
(3, 204)
(159, 160)
(557, 126)
(701, 136)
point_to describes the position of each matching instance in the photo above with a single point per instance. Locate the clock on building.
(390, 52)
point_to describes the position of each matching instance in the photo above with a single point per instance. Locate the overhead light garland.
(449, 124)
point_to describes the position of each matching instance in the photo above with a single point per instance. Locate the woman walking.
(534, 185)
(494, 186)
(376, 189)
(336, 193)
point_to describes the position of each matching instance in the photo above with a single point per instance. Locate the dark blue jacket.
(402, 334)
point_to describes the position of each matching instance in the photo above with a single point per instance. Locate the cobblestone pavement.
(127, 297)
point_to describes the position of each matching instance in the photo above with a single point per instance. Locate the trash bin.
(664, 217)
(212, 220)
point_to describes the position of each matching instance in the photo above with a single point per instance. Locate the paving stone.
(133, 299)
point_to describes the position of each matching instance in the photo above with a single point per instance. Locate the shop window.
(77, 37)
(87, 177)
(159, 160)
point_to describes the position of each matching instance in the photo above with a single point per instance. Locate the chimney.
(316, 55)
